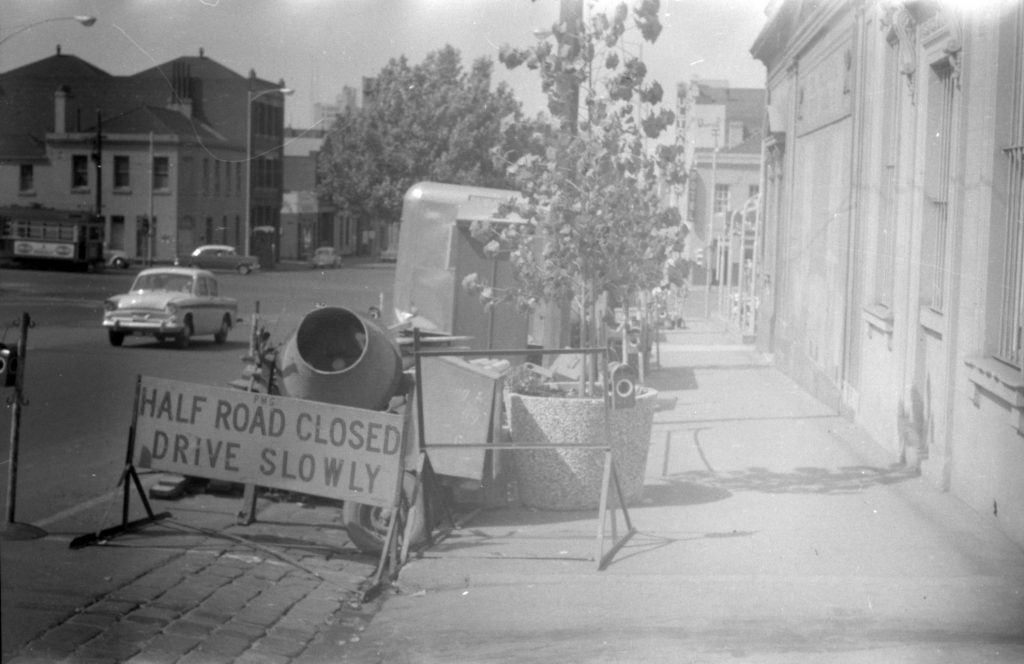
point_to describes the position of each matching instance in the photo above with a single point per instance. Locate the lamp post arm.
(84, 20)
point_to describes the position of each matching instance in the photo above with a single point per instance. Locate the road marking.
(81, 507)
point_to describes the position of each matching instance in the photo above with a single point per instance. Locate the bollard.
(339, 357)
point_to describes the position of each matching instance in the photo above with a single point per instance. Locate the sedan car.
(171, 303)
(325, 257)
(219, 257)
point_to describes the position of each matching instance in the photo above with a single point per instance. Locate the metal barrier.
(610, 477)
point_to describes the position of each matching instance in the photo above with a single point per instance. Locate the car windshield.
(163, 281)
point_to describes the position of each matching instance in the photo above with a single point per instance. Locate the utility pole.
(97, 158)
(570, 14)
(151, 227)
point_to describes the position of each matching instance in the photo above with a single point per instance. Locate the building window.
(26, 179)
(161, 173)
(122, 172)
(79, 171)
(885, 257)
(721, 197)
(1011, 315)
(206, 176)
(753, 190)
(938, 181)
(216, 177)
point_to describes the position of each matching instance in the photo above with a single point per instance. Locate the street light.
(84, 20)
(248, 159)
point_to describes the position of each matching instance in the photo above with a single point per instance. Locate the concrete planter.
(570, 479)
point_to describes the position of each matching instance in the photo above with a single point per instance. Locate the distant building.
(721, 132)
(307, 220)
(171, 146)
(892, 266)
(324, 115)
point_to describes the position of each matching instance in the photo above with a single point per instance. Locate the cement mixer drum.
(339, 357)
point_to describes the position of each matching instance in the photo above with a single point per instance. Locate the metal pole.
(707, 280)
(247, 229)
(97, 158)
(151, 227)
(12, 529)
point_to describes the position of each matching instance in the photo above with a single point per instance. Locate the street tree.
(596, 218)
(429, 121)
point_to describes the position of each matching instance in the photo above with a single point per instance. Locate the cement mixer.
(337, 356)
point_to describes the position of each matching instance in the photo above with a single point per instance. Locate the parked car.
(117, 258)
(219, 257)
(171, 303)
(325, 257)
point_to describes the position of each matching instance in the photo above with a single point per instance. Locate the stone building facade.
(891, 279)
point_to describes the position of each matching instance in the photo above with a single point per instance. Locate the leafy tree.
(592, 199)
(431, 121)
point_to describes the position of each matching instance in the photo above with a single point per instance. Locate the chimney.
(181, 89)
(60, 110)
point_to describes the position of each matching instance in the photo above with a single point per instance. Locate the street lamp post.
(84, 20)
(248, 159)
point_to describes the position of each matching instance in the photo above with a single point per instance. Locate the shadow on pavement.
(682, 492)
(843, 480)
(673, 378)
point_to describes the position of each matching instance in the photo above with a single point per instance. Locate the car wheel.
(221, 335)
(116, 338)
(244, 269)
(367, 525)
(120, 263)
(184, 337)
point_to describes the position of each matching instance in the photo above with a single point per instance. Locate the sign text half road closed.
(277, 442)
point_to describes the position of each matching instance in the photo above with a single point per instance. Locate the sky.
(319, 46)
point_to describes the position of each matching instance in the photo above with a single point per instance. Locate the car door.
(221, 260)
(203, 315)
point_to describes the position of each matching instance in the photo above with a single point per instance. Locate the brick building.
(172, 148)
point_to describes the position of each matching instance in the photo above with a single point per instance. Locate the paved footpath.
(196, 588)
(770, 531)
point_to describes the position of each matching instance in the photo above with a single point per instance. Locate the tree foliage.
(593, 198)
(431, 121)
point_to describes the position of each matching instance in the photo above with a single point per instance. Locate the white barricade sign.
(277, 442)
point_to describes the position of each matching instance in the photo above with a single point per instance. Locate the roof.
(145, 119)
(174, 269)
(27, 102)
(199, 66)
(65, 67)
(128, 104)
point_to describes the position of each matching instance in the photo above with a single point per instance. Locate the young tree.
(431, 121)
(593, 200)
